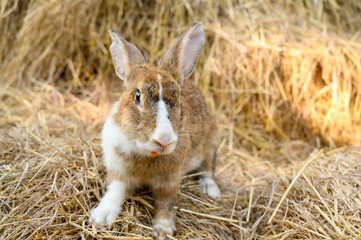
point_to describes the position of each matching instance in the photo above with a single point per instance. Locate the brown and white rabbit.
(159, 130)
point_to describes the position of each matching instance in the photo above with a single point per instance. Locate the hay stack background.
(282, 76)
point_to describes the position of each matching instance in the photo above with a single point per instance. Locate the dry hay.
(282, 77)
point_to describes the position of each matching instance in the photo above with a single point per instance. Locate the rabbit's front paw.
(104, 214)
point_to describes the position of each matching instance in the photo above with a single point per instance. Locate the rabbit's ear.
(183, 54)
(124, 55)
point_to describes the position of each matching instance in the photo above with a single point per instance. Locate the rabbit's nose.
(163, 141)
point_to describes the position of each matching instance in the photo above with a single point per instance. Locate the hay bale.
(282, 77)
(303, 89)
(282, 69)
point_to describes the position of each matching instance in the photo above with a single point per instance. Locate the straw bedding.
(282, 77)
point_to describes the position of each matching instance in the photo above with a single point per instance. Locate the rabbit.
(159, 130)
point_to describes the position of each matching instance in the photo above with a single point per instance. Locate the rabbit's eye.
(137, 96)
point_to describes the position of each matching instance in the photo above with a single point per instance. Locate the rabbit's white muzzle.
(163, 137)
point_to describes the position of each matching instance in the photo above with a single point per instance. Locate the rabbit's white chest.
(112, 139)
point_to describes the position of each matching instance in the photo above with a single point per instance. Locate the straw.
(282, 77)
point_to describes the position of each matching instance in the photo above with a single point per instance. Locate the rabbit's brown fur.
(196, 122)
(156, 96)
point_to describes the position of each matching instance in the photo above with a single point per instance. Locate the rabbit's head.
(149, 111)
